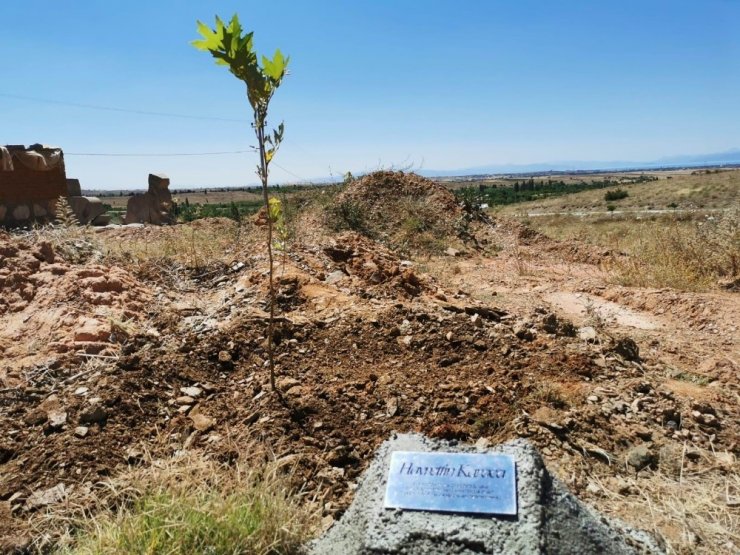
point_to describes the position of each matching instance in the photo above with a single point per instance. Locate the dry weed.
(687, 257)
(692, 513)
(74, 243)
(690, 251)
(522, 266)
(193, 245)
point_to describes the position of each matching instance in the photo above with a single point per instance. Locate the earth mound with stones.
(403, 210)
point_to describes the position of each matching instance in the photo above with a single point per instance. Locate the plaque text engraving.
(452, 482)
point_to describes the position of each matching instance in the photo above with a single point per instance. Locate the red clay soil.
(366, 345)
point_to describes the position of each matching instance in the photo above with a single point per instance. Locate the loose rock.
(201, 422)
(93, 415)
(192, 391)
(522, 331)
(641, 457)
(57, 419)
(35, 417)
(627, 349)
(587, 333)
(44, 498)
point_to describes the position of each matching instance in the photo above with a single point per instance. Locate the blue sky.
(438, 84)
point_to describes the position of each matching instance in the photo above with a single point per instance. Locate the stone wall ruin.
(154, 206)
(32, 179)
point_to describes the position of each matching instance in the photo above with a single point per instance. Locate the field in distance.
(672, 190)
(676, 189)
(679, 231)
(118, 199)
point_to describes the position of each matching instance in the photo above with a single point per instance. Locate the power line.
(155, 155)
(149, 154)
(273, 163)
(124, 110)
(150, 113)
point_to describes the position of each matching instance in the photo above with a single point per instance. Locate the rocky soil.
(511, 335)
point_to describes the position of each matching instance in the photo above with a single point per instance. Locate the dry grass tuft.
(690, 257)
(187, 504)
(74, 243)
(693, 513)
(689, 252)
(195, 245)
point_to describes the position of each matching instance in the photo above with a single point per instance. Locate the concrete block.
(550, 519)
(158, 181)
(39, 211)
(153, 206)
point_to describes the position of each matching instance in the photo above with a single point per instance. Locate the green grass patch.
(195, 506)
(188, 212)
(165, 522)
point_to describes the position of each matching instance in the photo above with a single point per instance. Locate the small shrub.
(234, 213)
(420, 229)
(348, 215)
(615, 194)
(611, 207)
(691, 377)
(550, 394)
(414, 224)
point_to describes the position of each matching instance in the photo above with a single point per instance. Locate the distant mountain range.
(717, 158)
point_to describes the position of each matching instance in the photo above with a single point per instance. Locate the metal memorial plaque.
(452, 482)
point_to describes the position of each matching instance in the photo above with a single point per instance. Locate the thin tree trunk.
(260, 130)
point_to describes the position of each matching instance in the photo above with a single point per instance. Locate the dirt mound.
(379, 190)
(349, 379)
(51, 306)
(403, 210)
(334, 275)
(698, 311)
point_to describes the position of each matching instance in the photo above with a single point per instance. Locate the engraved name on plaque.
(452, 482)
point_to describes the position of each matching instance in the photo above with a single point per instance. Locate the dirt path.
(699, 333)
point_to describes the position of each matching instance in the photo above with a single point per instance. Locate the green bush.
(348, 215)
(615, 194)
